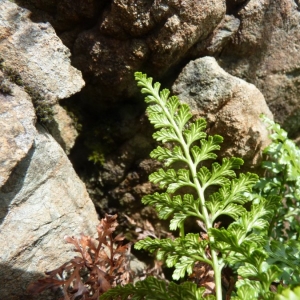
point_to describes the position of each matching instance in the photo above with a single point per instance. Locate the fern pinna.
(214, 191)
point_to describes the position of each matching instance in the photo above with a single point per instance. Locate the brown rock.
(230, 105)
(136, 35)
(265, 52)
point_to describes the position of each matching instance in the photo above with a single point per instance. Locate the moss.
(5, 89)
(43, 110)
(10, 73)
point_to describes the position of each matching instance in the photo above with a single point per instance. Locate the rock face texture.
(42, 62)
(41, 197)
(34, 49)
(62, 128)
(41, 200)
(230, 105)
(17, 119)
(265, 52)
(153, 35)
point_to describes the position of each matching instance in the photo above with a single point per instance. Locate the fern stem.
(193, 170)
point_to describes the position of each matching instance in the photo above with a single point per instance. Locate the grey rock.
(230, 105)
(222, 34)
(17, 123)
(62, 129)
(41, 202)
(37, 54)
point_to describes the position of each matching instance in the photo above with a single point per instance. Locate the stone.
(37, 54)
(230, 105)
(42, 201)
(17, 123)
(140, 35)
(220, 37)
(62, 129)
(265, 52)
(42, 63)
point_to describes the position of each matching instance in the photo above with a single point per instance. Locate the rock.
(62, 129)
(41, 63)
(17, 123)
(42, 201)
(265, 52)
(218, 39)
(64, 14)
(41, 197)
(136, 35)
(230, 105)
(37, 54)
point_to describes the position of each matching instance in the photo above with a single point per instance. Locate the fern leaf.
(183, 116)
(195, 131)
(166, 135)
(172, 105)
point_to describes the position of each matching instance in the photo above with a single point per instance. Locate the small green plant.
(199, 186)
(282, 178)
(213, 191)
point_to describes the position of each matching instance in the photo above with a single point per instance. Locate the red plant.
(103, 263)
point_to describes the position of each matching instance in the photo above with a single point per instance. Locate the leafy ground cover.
(255, 256)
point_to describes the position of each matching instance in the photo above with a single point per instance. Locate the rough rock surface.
(265, 52)
(42, 201)
(135, 35)
(35, 51)
(62, 129)
(41, 197)
(37, 55)
(230, 105)
(17, 123)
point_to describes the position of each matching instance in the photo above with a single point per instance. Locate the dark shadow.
(14, 184)
(14, 284)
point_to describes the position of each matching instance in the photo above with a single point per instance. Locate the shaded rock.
(141, 35)
(62, 129)
(63, 14)
(219, 38)
(37, 54)
(265, 52)
(17, 123)
(230, 105)
(233, 6)
(41, 63)
(41, 202)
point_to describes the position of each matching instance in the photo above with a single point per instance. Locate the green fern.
(288, 294)
(154, 289)
(282, 178)
(190, 164)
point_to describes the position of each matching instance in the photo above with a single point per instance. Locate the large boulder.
(230, 105)
(17, 119)
(34, 57)
(41, 200)
(141, 34)
(265, 52)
